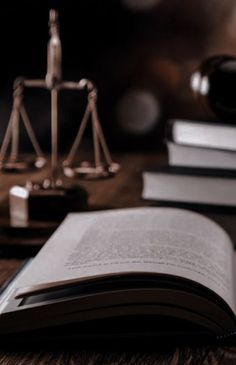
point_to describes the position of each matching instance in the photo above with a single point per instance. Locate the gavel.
(214, 84)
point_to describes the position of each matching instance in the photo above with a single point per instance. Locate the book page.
(140, 240)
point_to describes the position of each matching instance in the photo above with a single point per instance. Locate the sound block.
(45, 204)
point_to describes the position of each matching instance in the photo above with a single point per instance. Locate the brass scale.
(103, 165)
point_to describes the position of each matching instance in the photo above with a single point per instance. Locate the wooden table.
(122, 191)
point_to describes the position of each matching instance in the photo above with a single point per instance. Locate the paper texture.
(151, 240)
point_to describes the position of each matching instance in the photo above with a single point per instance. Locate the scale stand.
(52, 198)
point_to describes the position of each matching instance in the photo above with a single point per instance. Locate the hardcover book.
(202, 134)
(201, 157)
(201, 145)
(190, 186)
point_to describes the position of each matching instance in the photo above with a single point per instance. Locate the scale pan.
(91, 172)
(22, 165)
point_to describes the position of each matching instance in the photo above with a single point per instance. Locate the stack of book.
(202, 145)
(201, 171)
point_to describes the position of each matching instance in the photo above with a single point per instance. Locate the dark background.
(140, 57)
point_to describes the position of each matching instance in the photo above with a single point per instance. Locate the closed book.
(191, 186)
(200, 157)
(202, 134)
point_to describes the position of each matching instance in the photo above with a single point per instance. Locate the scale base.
(52, 204)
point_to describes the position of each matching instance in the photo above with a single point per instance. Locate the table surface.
(124, 190)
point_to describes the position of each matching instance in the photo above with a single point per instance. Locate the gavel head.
(214, 84)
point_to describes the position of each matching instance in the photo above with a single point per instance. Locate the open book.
(156, 270)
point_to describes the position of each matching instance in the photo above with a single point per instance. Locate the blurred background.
(140, 53)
